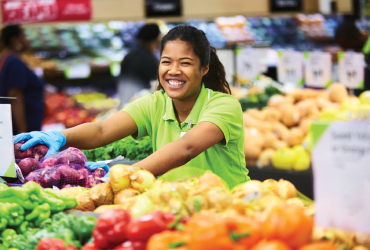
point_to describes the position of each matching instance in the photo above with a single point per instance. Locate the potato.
(277, 100)
(337, 93)
(265, 157)
(322, 103)
(252, 122)
(253, 143)
(294, 137)
(271, 114)
(252, 134)
(280, 130)
(255, 113)
(291, 116)
(296, 94)
(311, 93)
(307, 107)
(304, 125)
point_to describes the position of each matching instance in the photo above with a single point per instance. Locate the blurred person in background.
(140, 65)
(18, 81)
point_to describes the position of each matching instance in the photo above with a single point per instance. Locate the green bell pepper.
(20, 242)
(69, 201)
(8, 234)
(3, 224)
(83, 228)
(12, 212)
(17, 195)
(46, 223)
(56, 204)
(24, 227)
(39, 214)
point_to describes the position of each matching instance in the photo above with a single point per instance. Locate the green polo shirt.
(154, 115)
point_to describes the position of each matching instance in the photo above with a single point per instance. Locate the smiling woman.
(192, 119)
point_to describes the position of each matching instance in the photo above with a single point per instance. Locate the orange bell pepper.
(288, 223)
(168, 240)
(271, 245)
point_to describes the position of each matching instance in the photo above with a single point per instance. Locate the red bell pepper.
(142, 228)
(129, 245)
(90, 246)
(110, 229)
(53, 244)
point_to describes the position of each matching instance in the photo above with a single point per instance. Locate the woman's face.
(180, 73)
(21, 43)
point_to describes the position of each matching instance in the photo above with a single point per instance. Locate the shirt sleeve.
(226, 113)
(140, 111)
(16, 74)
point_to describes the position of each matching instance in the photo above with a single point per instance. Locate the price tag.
(78, 71)
(290, 68)
(226, 57)
(318, 69)
(351, 69)
(7, 161)
(340, 161)
(247, 63)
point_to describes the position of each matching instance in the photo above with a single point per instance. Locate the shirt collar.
(203, 97)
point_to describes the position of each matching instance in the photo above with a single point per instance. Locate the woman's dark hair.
(10, 31)
(215, 78)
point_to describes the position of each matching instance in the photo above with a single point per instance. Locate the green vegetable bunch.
(128, 147)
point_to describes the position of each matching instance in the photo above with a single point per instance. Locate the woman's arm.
(18, 109)
(94, 135)
(203, 136)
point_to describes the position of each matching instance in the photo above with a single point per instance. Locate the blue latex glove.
(95, 165)
(53, 139)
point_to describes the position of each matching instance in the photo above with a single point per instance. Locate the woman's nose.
(175, 69)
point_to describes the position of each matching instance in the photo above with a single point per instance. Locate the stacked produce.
(66, 168)
(96, 102)
(128, 147)
(276, 134)
(201, 213)
(257, 97)
(30, 213)
(234, 29)
(63, 109)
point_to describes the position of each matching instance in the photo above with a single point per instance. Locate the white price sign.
(351, 68)
(247, 63)
(340, 161)
(7, 167)
(290, 67)
(226, 57)
(318, 69)
(78, 71)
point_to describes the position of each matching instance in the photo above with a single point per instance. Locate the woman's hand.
(54, 140)
(177, 153)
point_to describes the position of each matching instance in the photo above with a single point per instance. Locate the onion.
(142, 180)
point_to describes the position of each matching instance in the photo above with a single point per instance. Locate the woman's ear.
(205, 70)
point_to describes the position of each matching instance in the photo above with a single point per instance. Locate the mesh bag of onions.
(29, 160)
(64, 169)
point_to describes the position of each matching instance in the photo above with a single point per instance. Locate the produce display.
(30, 213)
(258, 97)
(63, 109)
(279, 133)
(128, 147)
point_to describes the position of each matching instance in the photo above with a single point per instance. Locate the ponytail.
(215, 78)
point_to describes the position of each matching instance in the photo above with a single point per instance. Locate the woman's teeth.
(176, 83)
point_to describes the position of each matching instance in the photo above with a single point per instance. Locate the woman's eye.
(185, 63)
(165, 62)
